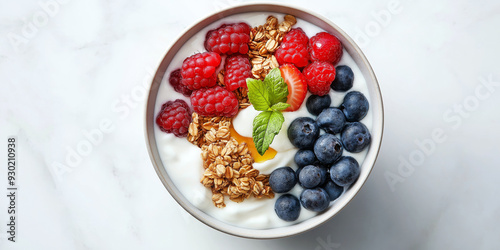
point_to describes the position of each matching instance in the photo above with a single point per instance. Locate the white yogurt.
(182, 160)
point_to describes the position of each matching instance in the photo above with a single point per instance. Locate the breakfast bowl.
(181, 163)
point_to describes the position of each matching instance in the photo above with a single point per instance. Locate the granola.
(227, 163)
(229, 172)
(203, 130)
(264, 41)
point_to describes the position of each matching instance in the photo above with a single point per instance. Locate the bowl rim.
(376, 104)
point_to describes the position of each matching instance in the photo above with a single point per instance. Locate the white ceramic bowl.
(375, 100)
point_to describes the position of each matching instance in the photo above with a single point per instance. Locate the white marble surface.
(83, 67)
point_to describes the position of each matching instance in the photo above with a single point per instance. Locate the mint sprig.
(265, 126)
(269, 97)
(258, 95)
(276, 86)
(280, 106)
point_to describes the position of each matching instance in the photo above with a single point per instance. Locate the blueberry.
(282, 179)
(311, 176)
(303, 132)
(345, 171)
(332, 120)
(297, 174)
(355, 137)
(328, 148)
(287, 207)
(355, 106)
(305, 157)
(316, 200)
(333, 190)
(343, 79)
(315, 103)
(324, 175)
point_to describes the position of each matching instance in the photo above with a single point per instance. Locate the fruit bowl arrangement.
(263, 120)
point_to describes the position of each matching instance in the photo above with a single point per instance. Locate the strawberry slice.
(297, 86)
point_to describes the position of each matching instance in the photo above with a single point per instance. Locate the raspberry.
(216, 101)
(174, 117)
(238, 69)
(229, 39)
(175, 80)
(199, 70)
(293, 53)
(293, 49)
(325, 47)
(319, 77)
(296, 35)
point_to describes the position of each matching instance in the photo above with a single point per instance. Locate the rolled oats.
(264, 41)
(218, 200)
(228, 171)
(227, 163)
(204, 130)
(290, 19)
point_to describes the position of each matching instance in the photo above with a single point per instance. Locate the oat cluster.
(227, 163)
(264, 41)
(205, 130)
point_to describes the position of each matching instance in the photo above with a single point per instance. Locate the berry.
(312, 176)
(229, 39)
(297, 86)
(174, 117)
(355, 137)
(296, 35)
(175, 80)
(237, 70)
(315, 103)
(345, 171)
(199, 70)
(297, 174)
(293, 53)
(282, 179)
(344, 78)
(303, 132)
(293, 49)
(324, 175)
(315, 200)
(333, 190)
(328, 148)
(355, 106)
(216, 101)
(287, 207)
(319, 76)
(305, 157)
(325, 47)
(331, 120)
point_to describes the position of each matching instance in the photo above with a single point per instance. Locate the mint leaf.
(270, 97)
(258, 94)
(280, 106)
(276, 86)
(266, 125)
